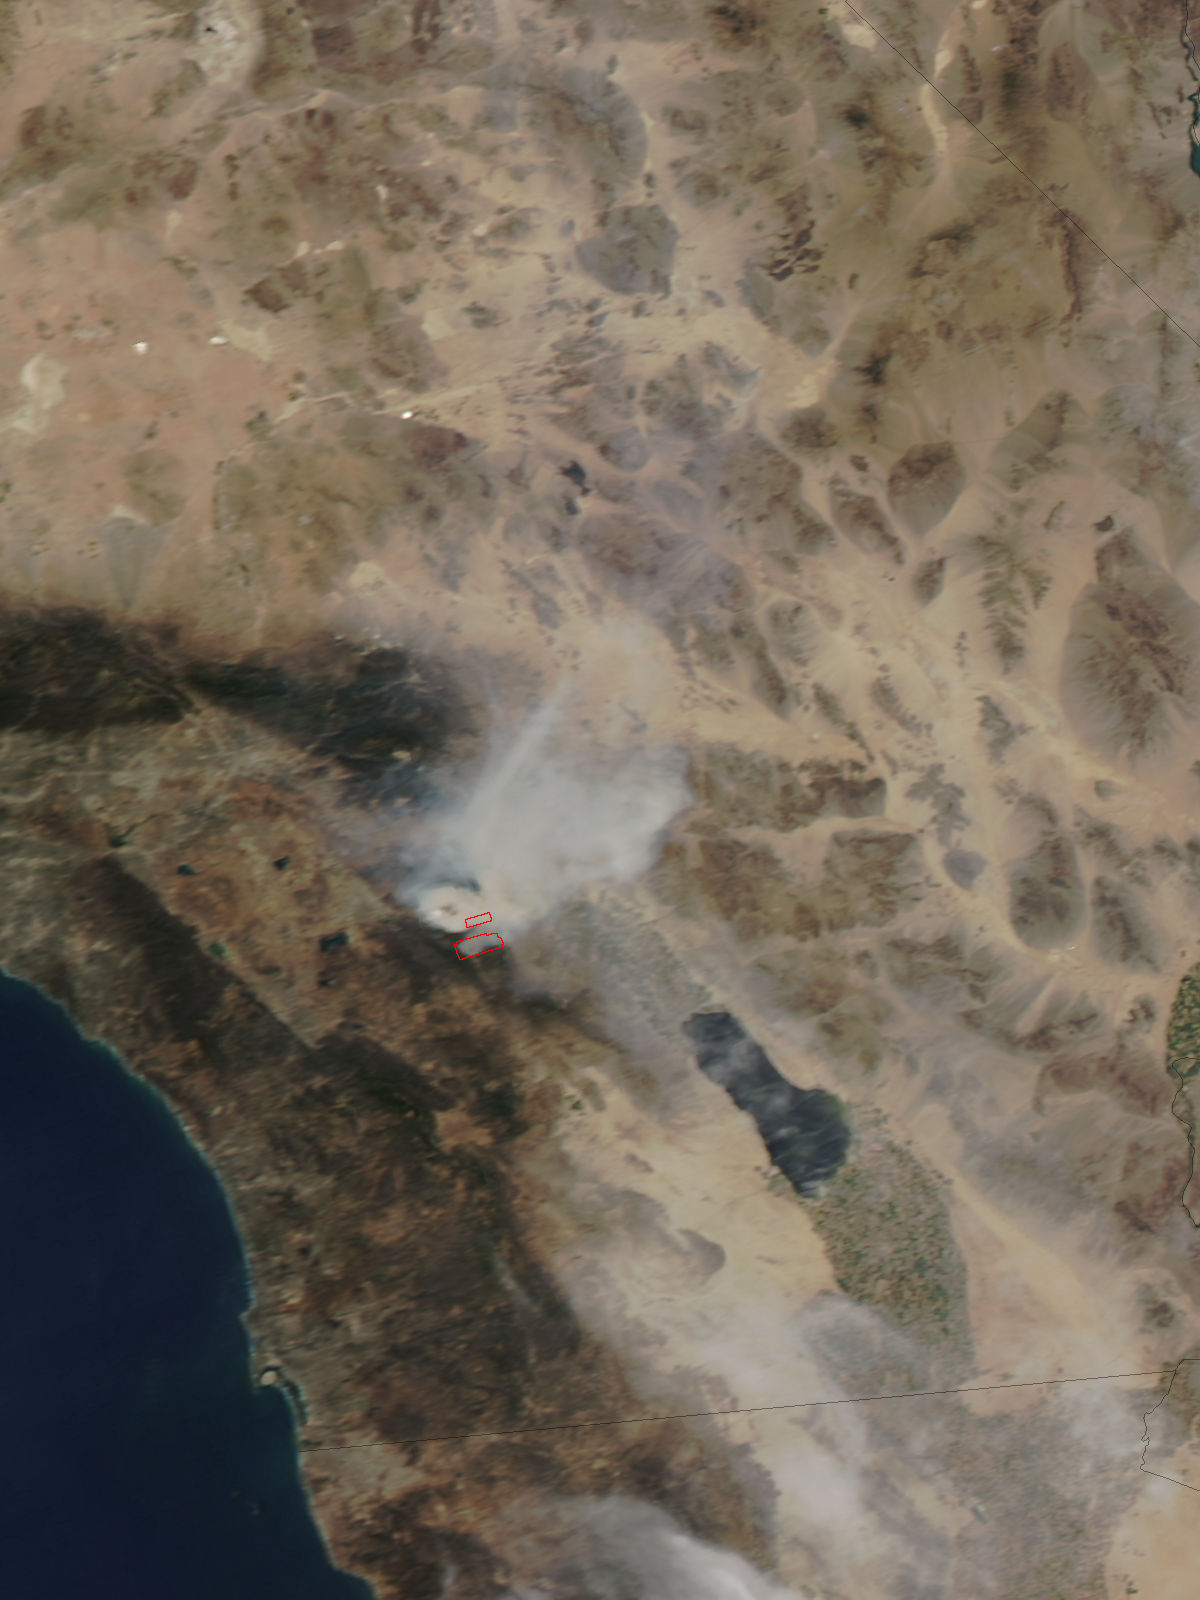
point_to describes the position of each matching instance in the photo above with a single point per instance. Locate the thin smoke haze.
(619, 1548)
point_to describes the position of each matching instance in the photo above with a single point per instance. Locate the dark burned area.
(380, 716)
(194, 1001)
(363, 1221)
(469, 1330)
(378, 724)
(68, 671)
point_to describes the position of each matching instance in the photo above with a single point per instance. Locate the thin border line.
(1189, 61)
(1188, 1127)
(917, 1394)
(738, 1411)
(1146, 1415)
(1020, 170)
(803, 1405)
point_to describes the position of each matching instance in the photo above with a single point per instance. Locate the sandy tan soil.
(758, 443)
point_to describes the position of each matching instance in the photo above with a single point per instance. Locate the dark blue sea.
(138, 1459)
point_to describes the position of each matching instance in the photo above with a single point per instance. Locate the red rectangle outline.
(484, 933)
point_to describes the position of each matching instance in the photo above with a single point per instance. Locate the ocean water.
(138, 1458)
(805, 1130)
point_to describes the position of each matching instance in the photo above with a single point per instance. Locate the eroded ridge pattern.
(712, 485)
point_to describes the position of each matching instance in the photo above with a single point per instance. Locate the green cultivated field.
(1183, 1028)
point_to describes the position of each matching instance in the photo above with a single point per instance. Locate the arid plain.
(723, 480)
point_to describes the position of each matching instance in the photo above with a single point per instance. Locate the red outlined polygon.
(481, 933)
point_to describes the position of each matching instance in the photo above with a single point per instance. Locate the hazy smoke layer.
(624, 1549)
(543, 821)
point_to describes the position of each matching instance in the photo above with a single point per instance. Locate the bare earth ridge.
(716, 482)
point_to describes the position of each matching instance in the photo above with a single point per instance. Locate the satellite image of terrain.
(599, 800)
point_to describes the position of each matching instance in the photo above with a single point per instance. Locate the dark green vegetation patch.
(1183, 1027)
(887, 1233)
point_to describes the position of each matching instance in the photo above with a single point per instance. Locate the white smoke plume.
(545, 818)
(619, 1548)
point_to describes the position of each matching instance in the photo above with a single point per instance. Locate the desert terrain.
(715, 486)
